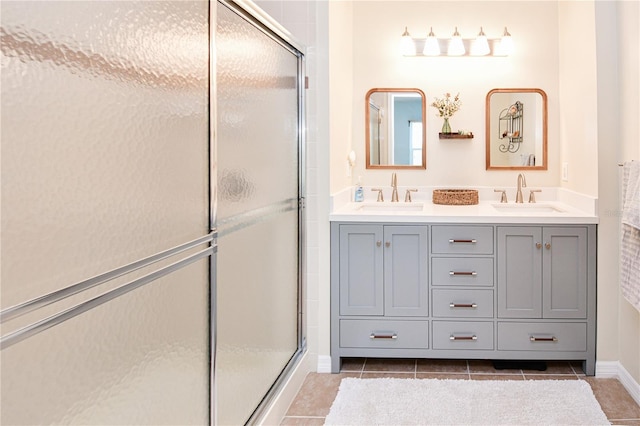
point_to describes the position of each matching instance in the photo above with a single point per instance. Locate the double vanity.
(494, 280)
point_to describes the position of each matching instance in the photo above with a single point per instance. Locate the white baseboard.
(607, 369)
(613, 369)
(324, 364)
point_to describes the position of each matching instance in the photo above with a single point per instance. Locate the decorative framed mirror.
(516, 129)
(395, 129)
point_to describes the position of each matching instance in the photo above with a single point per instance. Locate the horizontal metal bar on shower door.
(60, 317)
(55, 296)
(248, 218)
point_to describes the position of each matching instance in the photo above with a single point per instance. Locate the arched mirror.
(516, 129)
(395, 129)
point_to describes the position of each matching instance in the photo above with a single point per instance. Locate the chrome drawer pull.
(470, 273)
(543, 339)
(463, 305)
(452, 337)
(383, 336)
(472, 241)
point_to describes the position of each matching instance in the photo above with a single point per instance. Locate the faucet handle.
(503, 197)
(407, 196)
(532, 197)
(380, 196)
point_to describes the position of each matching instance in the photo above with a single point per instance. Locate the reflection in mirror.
(516, 129)
(395, 129)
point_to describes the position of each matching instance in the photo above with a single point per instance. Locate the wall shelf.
(455, 136)
(510, 124)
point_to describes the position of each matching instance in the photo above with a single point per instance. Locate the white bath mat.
(465, 402)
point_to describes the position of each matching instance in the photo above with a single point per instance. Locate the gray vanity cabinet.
(546, 285)
(463, 291)
(542, 272)
(379, 274)
(383, 270)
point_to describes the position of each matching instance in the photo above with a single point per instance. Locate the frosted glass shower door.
(258, 139)
(105, 161)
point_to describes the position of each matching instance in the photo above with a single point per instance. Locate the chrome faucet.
(394, 185)
(522, 183)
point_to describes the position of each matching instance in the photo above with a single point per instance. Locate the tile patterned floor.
(314, 399)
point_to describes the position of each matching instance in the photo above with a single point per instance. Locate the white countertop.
(553, 206)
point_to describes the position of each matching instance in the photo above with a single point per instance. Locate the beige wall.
(378, 63)
(616, 45)
(577, 95)
(628, 40)
(341, 93)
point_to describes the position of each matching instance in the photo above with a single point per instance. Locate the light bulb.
(407, 46)
(506, 43)
(456, 46)
(431, 45)
(481, 45)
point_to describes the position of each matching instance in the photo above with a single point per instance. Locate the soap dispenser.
(359, 196)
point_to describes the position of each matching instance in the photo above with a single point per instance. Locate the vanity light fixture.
(407, 45)
(506, 43)
(431, 45)
(456, 45)
(481, 45)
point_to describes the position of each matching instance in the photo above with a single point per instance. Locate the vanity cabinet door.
(542, 272)
(519, 272)
(383, 270)
(564, 270)
(405, 271)
(361, 270)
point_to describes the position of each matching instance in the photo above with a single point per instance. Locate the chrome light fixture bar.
(456, 45)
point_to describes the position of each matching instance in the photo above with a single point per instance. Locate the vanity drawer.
(384, 334)
(462, 335)
(463, 303)
(522, 336)
(474, 271)
(462, 239)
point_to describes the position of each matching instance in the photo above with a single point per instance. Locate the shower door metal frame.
(260, 20)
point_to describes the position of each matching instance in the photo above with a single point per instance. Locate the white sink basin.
(525, 208)
(390, 207)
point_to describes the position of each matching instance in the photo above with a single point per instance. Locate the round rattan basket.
(455, 197)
